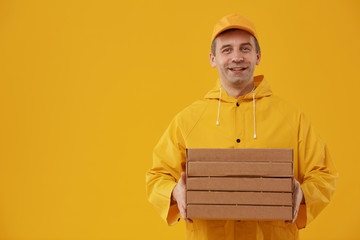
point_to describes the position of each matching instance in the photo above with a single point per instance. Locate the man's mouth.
(237, 69)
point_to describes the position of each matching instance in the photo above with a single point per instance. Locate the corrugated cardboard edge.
(240, 198)
(256, 184)
(240, 212)
(239, 154)
(228, 169)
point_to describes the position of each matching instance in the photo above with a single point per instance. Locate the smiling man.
(240, 112)
(235, 53)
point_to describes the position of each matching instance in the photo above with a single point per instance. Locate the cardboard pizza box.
(251, 184)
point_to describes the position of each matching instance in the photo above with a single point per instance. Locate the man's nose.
(237, 56)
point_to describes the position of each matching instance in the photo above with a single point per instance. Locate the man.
(240, 112)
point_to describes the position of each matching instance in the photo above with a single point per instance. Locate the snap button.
(238, 140)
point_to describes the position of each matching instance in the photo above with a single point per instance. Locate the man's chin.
(238, 81)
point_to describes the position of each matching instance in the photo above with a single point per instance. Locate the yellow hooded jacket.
(256, 120)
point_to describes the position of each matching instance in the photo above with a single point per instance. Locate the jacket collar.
(262, 90)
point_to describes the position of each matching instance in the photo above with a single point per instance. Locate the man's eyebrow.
(246, 44)
(225, 46)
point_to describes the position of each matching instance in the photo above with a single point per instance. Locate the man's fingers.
(183, 178)
(297, 197)
(182, 209)
(183, 215)
(182, 201)
(296, 210)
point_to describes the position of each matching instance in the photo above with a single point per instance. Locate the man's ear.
(212, 60)
(258, 57)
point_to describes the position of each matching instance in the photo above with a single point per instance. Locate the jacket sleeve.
(318, 174)
(168, 162)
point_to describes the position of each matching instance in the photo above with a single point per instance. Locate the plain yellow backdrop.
(88, 87)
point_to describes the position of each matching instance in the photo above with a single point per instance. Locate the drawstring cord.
(217, 122)
(254, 114)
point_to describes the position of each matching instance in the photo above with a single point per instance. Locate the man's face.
(235, 57)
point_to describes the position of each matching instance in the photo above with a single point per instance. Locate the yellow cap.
(234, 21)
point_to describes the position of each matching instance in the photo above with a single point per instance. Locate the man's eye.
(245, 49)
(226, 50)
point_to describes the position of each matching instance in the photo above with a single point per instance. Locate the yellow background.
(88, 87)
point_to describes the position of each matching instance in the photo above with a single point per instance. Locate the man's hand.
(179, 195)
(297, 196)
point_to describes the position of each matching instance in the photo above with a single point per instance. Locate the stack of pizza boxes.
(251, 184)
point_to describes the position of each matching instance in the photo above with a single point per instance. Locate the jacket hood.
(262, 90)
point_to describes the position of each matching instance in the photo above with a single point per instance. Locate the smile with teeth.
(237, 68)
